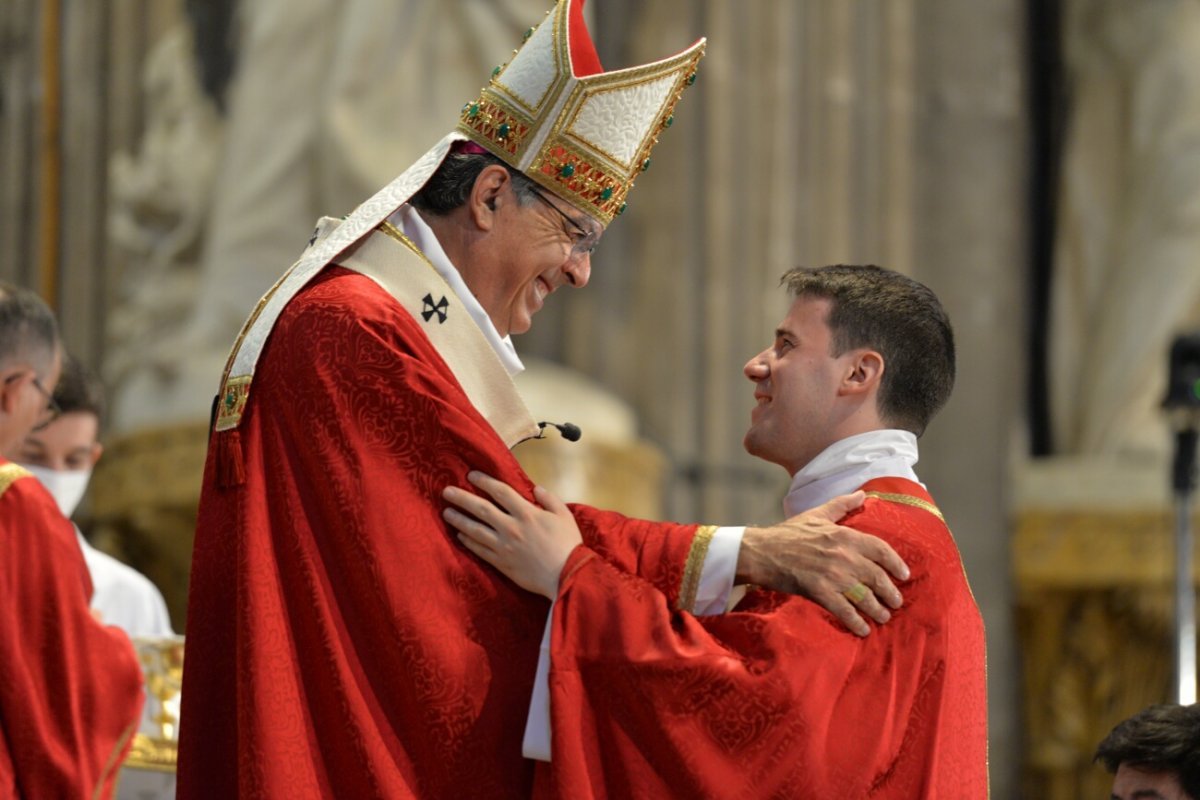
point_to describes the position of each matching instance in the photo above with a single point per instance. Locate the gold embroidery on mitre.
(502, 129)
(232, 402)
(695, 565)
(581, 168)
(908, 500)
(10, 474)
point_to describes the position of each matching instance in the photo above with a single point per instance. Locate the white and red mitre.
(553, 113)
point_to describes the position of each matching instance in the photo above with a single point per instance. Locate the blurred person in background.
(62, 455)
(70, 697)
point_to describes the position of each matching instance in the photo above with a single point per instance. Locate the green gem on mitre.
(645, 165)
(473, 110)
(566, 171)
(691, 79)
(503, 130)
(607, 193)
(528, 33)
(496, 71)
(669, 121)
(621, 210)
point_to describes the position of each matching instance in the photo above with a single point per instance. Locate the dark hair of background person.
(1160, 738)
(79, 390)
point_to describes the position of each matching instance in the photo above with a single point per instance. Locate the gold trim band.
(10, 474)
(908, 500)
(695, 565)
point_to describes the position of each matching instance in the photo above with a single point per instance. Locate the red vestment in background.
(70, 687)
(340, 641)
(776, 699)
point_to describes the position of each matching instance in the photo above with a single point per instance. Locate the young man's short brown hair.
(900, 318)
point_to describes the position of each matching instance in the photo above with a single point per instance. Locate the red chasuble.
(776, 699)
(70, 688)
(341, 642)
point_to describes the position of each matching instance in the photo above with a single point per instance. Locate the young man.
(62, 454)
(1155, 754)
(70, 694)
(375, 372)
(774, 699)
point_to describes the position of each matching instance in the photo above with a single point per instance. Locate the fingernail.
(474, 475)
(904, 573)
(862, 630)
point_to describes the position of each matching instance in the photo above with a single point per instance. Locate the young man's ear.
(489, 185)
(97, 451)
(865, 372)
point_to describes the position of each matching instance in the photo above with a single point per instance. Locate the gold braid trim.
(10, 474)
(695, 565)
(392, 231)
(114, 760)
(909, 500)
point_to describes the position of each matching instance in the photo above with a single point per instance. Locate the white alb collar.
(408, 220)
(849, 463)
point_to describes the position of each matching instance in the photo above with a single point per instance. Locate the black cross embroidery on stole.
(430, 308)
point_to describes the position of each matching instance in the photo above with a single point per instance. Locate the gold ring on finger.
(857, 593)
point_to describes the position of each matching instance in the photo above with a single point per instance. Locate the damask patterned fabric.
(341, 643)
(775, 699)
(70, 687)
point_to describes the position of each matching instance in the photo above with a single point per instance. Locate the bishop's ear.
(492, 182)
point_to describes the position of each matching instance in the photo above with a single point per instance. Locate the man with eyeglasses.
(341, 643)
(70, 695)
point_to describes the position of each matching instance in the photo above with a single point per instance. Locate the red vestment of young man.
(775, 699)
(341, 642)
(70, 689)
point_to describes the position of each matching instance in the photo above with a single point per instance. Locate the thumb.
(839, 507)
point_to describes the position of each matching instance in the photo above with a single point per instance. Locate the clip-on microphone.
(569, 432)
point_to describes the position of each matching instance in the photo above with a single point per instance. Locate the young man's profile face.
(1131, 783)
(796, 382)
(69, 443)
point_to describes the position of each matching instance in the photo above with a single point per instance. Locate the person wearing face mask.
(70, 693)
(62, 455)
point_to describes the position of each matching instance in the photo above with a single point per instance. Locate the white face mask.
(66, 487)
